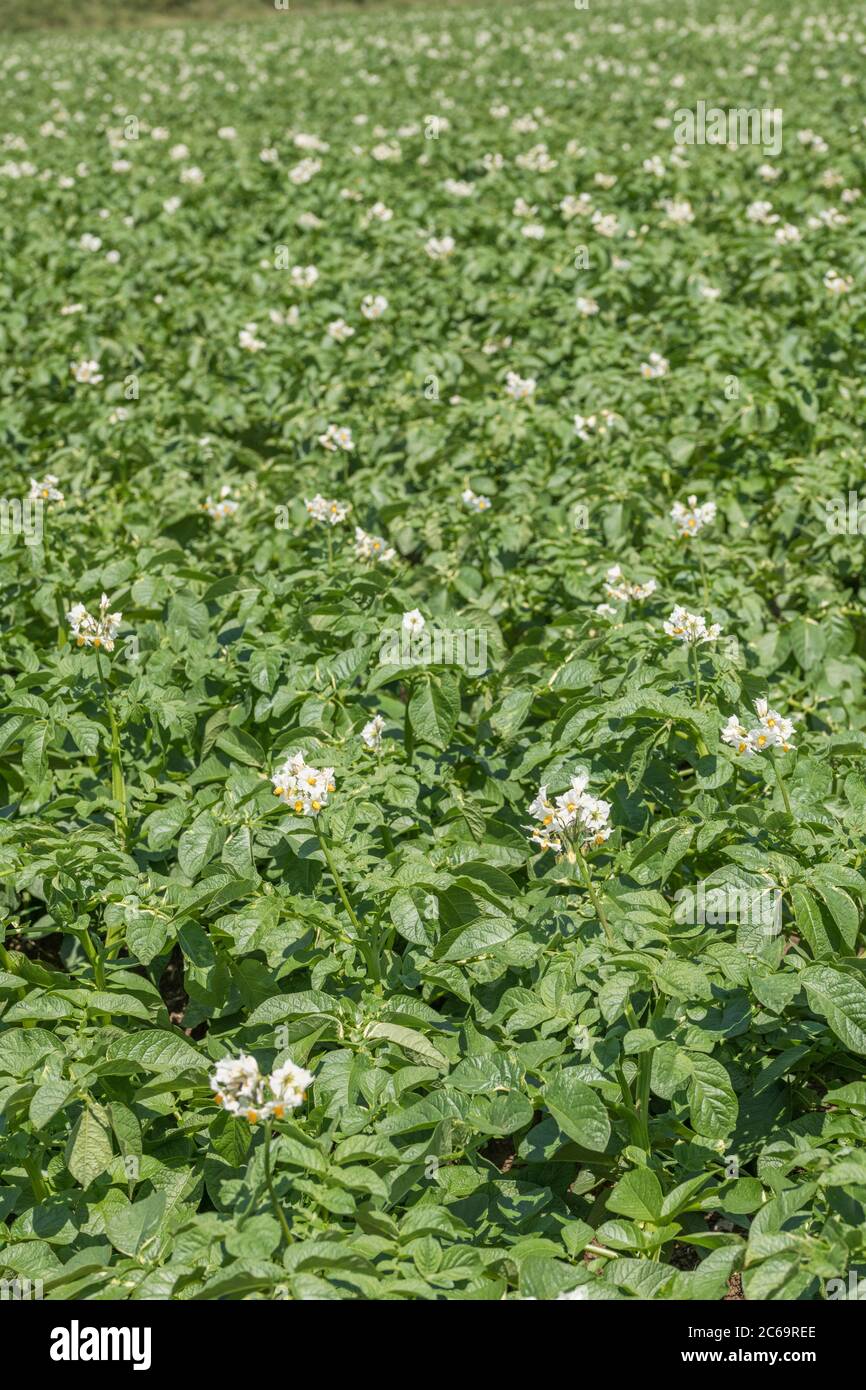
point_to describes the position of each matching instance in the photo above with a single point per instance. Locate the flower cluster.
(45, 489)
(619, 588)
(241, 1089)
(772, 731)
(94, 632)
(337, 437)
(306, 789)
(585, 426)
(692, 518)
(327, 509)
(475, 501)
(222, 507)
(369, 547)
(656, 366)
(574, 816)
(519, 388)
(690, 627)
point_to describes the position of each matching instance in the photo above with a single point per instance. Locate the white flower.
(88, 242)
(337, 437)
(475, 501)
(86, 373)
(575, 816)
(269, 155)
(304, 788)
(373, 306)
(656, 366)
(94, 632)
(654, 166)
(518, 387)
(192, 174)
(368, 547)
(459, 188)
(247, 338)
(772, 731)
(619, 588)
(690, 627)
(679, 210)
(45, 489)
(303, 277)
(605, 223)
(227, 132)
(241, 1089)
(378, 213)
(586, 305)
(439, 248)
(328, 510)
(306, 170)
(762, 212)
(118, 415)
(171, 205)
(571, 206)
(533, 230)
(692, 518)
(371, 734)
(288, 1086)
(413, 622)
(68, 309)
(585, 426)
(340, 331)
(179, 152)
(223, 507)
(838, 284)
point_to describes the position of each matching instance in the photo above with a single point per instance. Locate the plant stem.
(280, 1215)
(697, 668)
(369, 952)
(118, 784)
(587, 878)
(704, 578)
(782, 788)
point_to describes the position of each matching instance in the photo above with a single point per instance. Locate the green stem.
(278, 1211)
(587, 878)
(330, 541)
(697, 668)
(118, 784)
(782, 788)
(369, 952)
(704, 578)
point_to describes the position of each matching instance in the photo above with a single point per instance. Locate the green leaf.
(578, 1111)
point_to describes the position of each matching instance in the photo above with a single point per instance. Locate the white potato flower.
(222, 507)
(368, 547)
(99, 632)
(340, 331)
(327, 509)
(619, 588)
(45, 489)
(371, 734)
(656, 366)
(87, 372)
(439, 248)
(240, 1089)
(373, 306)
(575, 816)
(519, 388)
(691, 628)
(475, 501)
(691, 518)
(337, 437)
(305, 789)
(773, 730)
(414, 621)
